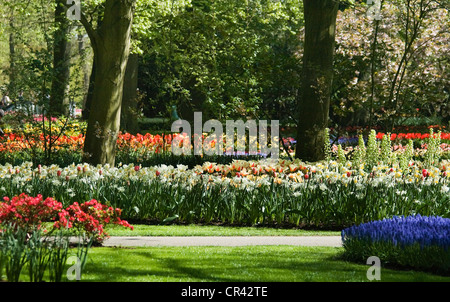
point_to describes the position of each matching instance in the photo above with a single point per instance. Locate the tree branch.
(93, 36)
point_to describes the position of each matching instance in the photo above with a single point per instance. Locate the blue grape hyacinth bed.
(416, 242)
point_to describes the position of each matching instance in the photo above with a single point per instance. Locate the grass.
(234, 264)
(211, 230)
(230, 264)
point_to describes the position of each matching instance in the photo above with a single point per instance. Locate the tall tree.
(61, 60)
(12, 53)
(128, 120)
(320, 27)
(12, 57)
(111, 46)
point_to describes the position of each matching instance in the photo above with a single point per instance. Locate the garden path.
(333, 241)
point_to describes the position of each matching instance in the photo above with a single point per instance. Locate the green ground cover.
(234, 264)
(212, 230)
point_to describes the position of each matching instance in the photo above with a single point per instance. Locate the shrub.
(418, 242)
(29, 213)
(22, 248)
(90, 217)
(25, 243)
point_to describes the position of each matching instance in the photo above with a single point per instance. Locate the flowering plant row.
(29, 212)
(19, 123)
(414, 136)
(415, 241)
(245, 192)
(374, 152)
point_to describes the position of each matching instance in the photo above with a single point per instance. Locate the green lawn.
(233, 264)
(230, 264)
(210, 230)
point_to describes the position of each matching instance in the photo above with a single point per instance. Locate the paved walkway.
(333, 241)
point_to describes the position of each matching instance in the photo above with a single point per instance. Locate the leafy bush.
(34, 250)
(27, 242)
(29, 213)
(418, 242)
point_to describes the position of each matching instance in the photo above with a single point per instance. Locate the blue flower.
(404, 231)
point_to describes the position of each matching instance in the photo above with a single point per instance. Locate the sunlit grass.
(233, 264)
(211, 230)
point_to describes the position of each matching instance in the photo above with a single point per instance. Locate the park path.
(332, 241)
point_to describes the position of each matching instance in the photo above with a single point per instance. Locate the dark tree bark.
(128, 120)
(88, 101)
(61, 61)
(314, 103)
(111, 45)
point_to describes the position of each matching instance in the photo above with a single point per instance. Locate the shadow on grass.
(233, 265)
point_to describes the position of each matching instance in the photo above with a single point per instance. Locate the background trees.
(238, 59)
(410, 76)
(228, 59)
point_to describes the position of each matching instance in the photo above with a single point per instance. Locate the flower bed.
(35, 234)
(328, 194)
(89, 218)
(373, 181)
(417, 242)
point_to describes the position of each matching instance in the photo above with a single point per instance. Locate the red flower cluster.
(416, 136)
(90, 217)
(26, 211)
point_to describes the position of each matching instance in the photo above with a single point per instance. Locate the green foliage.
(42, 255)
(228, 59)
(372, 153)
(341, 155)
(391, 70)
(432, 155)
(13, 252)
(360, 153)
(386, 150)
(327, 146)
(434, 259)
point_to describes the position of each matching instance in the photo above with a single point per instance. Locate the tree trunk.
(111, 45)
(128, 120)
(90, 91)
(85, 68)
(314, 103)
(88, 100)
(61, 61)
(12, 59)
